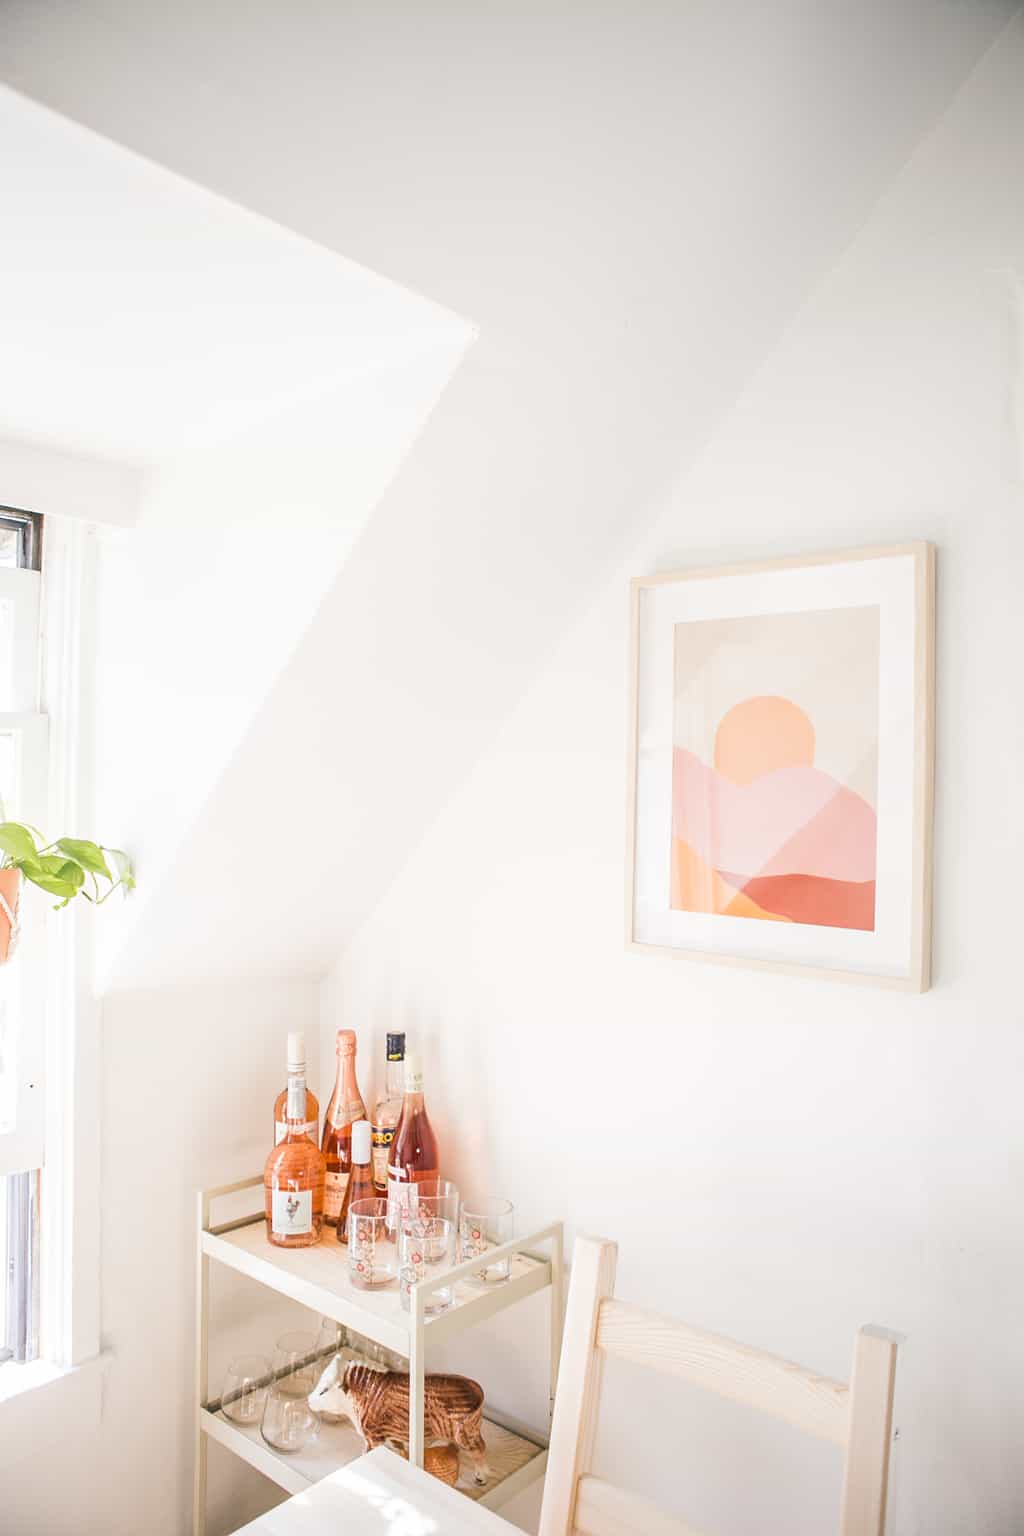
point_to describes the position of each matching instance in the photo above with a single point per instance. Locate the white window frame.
(21, 1148)
(59, 1127)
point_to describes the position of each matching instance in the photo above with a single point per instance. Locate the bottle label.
(281, 1131)
(383, 1136)
(335, 1185)
(291, 1212)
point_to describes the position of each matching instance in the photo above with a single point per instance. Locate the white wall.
(189, 1081)
(634, 213)
(780, 1160)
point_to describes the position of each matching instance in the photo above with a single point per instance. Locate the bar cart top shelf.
(317, 1278)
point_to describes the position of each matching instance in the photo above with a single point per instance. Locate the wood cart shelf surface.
(317, 1278)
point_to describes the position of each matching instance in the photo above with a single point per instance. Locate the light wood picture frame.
(781, 764)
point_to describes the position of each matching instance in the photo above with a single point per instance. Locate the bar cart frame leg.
(202, 1383)
(417, 1373)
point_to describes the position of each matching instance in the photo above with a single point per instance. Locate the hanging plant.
(70, 867)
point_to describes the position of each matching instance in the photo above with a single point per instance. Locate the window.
(23, 797)
(21, 540)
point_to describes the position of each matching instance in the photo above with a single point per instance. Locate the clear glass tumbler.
(437, 1197)
(296, 1367)
(372, 1250)
(484, 1224)
(426, 1247)
(245, 1389)
(288, 1423)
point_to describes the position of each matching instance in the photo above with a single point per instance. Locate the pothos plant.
(69, 867)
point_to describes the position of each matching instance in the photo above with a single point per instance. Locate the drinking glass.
(332, 1337)
(288, 1422)
(372, 1251)
(426, 1245)
(437, 1197)
(487, 1224)
(296, 1366)
(245, 1388)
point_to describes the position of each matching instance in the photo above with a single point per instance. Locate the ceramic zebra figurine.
(377, 1402)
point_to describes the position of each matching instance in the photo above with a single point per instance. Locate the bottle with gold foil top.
(345, 1107)
(297, 1067)
(360, 1183)
(293, 1178)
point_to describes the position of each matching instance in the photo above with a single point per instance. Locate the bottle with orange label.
(345, 1107)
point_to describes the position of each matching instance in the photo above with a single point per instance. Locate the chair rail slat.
(602, 1509)
(816, 1404)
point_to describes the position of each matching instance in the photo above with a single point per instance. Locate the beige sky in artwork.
(825, 661)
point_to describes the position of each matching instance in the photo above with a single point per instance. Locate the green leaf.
(123, 864)
(89, 855)
(16, 841)
(52, 884)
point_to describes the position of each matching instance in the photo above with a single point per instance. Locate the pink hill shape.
(793, 821)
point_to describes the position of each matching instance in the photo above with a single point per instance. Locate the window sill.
(18, 1380)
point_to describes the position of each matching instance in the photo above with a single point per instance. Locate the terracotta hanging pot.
(10, 894)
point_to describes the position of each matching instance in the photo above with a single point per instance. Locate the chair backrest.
(857, 1417)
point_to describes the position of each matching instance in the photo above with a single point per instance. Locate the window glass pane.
(19, 1272)
(8, 973)
(5, 1350)
(10, 541)
(6, 655)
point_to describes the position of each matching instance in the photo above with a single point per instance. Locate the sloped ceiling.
(632, 201)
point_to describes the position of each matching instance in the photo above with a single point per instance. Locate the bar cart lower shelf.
(318, 1279)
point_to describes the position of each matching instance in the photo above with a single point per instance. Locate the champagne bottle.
(345, 1107)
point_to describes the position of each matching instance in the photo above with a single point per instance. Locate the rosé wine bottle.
(345, 1107)
(360, 1184)
(413, 1156)
(293, 1178)
(297, 1065)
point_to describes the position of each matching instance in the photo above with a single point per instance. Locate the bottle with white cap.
(296, 1069)
(360, 1183)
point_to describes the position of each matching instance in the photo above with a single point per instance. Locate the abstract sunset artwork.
(780, 764)
(775, 768)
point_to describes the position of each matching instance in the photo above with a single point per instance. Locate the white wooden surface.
(379, 1495)
(317, 1278)
(866, 1475)
(812, 1403)
(338, 1445)
(579, 1384)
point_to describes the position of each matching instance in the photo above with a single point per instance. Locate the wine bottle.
(297, 1066)
(293, 1178)
(360, 1184)
(346, 1105)
(388, 1110)
(413, 1156)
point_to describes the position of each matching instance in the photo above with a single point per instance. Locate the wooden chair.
(857, 1417)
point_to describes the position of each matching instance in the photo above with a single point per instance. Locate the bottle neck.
(412, 1104)
(346, 1102)
(394, 1079)
(295, 1108)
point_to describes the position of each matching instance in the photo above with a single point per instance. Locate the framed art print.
(781, 764)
